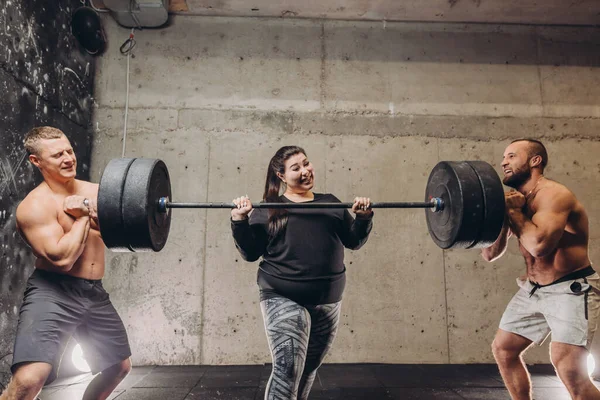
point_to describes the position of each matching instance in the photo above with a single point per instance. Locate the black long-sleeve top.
(305, 262)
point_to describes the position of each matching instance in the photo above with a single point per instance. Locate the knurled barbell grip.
(436, 204)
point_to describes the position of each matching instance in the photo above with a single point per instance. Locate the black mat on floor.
(334, 382)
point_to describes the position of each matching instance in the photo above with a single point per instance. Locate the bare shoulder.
(556, 196)
(37, 206)
(88, 187)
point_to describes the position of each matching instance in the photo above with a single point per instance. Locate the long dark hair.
(278, 217)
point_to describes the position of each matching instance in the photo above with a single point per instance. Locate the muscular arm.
(41, 230)
(497, 250)
(540, 234)
(94, 214)
(94, 205)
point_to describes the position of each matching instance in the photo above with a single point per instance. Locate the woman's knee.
(288, 366)
(311, 367)
(314, 359)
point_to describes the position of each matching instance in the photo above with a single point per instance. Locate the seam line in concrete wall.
(33, 90)
(446, 308)
(358, 113)
(539, 67)
(445, 285)
(365, 113)
(202, 306)
(387, 126)
(366, 19)
(323, 76)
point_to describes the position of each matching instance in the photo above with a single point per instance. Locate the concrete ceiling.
(552, 12)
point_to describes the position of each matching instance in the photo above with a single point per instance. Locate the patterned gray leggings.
(299, 338)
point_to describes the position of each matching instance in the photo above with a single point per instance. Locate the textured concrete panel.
(160, 295)
(394, 298)
(451, 127)
(189, 65)
(247, 121)
(376, 106)
(447, 70)
(570, 60)
(360, 55)
(491, 11)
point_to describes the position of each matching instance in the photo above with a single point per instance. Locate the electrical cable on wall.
(94, 7)
(132, 6)
(126, 49)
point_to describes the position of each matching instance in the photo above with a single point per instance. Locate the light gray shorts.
(570, 310)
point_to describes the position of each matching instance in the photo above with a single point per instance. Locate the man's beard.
(517, 178)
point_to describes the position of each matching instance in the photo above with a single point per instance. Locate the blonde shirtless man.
(64, 295)
(560, 294)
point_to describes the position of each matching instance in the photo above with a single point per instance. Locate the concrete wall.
(582, 12)
(376, 107)
(45, 79)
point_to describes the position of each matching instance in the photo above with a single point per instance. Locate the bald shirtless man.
(560, 294)
(64, 295)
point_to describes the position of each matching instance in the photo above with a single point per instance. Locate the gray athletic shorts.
(56, 307)
(568, 308)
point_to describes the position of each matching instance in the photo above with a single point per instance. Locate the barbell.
(464, 204)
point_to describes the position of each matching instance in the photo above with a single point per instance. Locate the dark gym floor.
(335, 381)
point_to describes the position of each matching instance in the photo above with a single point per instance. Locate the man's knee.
(575, 379)
(29, 379)
(120, 370)
(125, 368)
(503, 352)
(570, 363)
(508, 347)
(571, 373)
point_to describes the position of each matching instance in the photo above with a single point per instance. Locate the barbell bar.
(464, 204)
(435, 204)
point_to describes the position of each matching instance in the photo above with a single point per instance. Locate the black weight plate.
(458, 224)
(493, 199)
(146, 228)
(110, 196)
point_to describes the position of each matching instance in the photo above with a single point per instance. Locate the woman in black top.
(302, 274)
